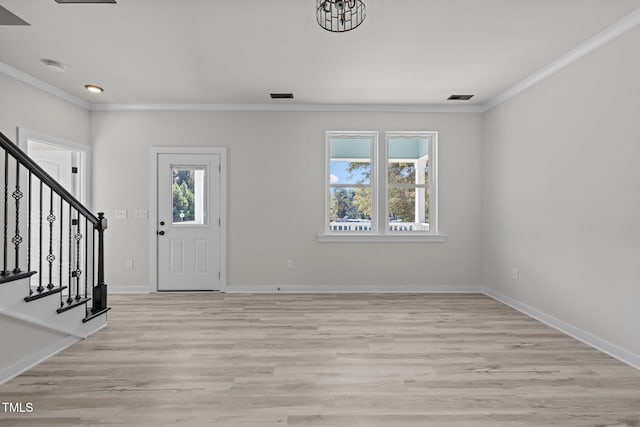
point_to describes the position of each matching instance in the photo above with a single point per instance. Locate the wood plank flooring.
(324, 360)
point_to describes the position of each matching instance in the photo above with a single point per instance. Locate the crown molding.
(622, 26)
(359, 108)
(614, 31)
(45, 87)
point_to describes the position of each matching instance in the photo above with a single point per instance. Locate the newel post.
(100, 290)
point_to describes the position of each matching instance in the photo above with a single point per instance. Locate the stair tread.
(96, 314)
(74, 304)
(44, 294)
(11, 276)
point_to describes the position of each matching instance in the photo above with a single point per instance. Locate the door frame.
(83, 150)
(153, 204)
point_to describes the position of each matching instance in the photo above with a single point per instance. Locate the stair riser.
(13, 292)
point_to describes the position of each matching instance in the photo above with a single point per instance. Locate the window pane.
(402, 172)
(408, 158)
(408, 209)
(344, 172)
(350, 209)
(188, 194)
(408, 180)
(350, 160)
(408, 147)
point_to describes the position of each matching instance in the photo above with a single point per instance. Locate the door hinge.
(219, 222)
(219, 168)
(74, 169)
(219, 275)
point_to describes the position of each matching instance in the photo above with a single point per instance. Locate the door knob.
(161, 222)
(161, 233)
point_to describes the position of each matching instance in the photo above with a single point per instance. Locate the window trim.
(374, 178)
(433, 181)
(379, 186)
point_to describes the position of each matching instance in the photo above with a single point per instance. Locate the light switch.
(120, 214)
(141, 214)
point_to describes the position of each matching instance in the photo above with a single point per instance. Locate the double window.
(378, 188)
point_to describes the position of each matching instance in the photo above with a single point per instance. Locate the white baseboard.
(33, 359)
(347, 289)
(302, 289)
(598, 343)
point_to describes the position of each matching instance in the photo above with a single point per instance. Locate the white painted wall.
(276, 197)
(21, 340)
(24, 106)
(562, 195)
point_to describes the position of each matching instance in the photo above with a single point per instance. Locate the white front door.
(188, 229)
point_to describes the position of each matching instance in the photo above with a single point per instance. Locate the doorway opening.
(67, 163)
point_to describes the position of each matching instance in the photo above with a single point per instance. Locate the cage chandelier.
(339, 16)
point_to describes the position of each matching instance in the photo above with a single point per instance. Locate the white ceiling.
(237, 52)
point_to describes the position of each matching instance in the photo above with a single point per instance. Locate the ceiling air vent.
(460, 97)
(281, 96)
(85, 1)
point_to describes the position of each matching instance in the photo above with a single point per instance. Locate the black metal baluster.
(17, 238)
(86, 255)
(29, 232)
(61, 251)
(40, 288)
(6, 211)
(29, 224)
(93, 265)
(93, 258)
(70, 299)
(78, 272)
(51, 257)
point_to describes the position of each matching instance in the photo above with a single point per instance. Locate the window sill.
(382, 238)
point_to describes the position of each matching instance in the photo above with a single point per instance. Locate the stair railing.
(61, 240)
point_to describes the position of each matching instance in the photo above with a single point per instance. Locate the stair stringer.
(34, 330)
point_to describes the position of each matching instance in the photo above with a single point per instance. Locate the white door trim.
(153, 205)
(24, 135)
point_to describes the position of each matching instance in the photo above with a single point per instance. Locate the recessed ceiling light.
(93, 88)
(460, 97)
(281, 96)
(54, 65)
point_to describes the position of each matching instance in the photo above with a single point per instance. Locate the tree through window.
(187, 191)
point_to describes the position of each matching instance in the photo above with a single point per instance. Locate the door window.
(189, 195)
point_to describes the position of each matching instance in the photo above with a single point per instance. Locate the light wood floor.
(325, 360)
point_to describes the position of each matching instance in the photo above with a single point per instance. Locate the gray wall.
(22, 105)
(562, 198)
(276, 196)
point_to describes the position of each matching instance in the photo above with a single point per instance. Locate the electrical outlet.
(129, 264)
(515, 273)
(120, 214)
(290, 264)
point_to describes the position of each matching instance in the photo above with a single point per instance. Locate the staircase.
(52, 289)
